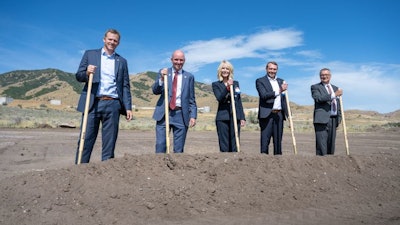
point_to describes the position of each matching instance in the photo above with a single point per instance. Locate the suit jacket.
(188, 99)
(223, 97)
(267, 97)
(322, 104)
(93, 57)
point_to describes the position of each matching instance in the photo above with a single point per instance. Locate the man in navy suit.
(327, 113)
(272, 108)
(183, 114)
(110, 95)
(224, 118)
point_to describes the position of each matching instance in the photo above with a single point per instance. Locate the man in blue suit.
(183, 113)
(110, 95)
(272, 108)
(327, 113)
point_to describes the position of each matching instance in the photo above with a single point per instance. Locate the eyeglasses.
(325, 74)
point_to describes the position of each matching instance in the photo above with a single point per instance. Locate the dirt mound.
(212, 188)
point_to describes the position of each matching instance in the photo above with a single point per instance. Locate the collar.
(269, 78)
(104, 53)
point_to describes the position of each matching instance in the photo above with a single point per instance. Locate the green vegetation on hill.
(17, 84)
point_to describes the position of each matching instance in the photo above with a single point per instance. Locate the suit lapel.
(116, 66)
(334, 88)
(184, 81)
(279, 82)
(170, 80)
(269, 86)
(97, 58)
(322, 86)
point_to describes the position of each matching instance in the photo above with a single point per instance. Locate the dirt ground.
(39, 184)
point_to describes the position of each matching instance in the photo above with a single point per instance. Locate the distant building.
(253, 110)
(5, 100)
(205, 109)
(55, 102)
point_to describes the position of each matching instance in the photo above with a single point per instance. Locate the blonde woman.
(224, 118)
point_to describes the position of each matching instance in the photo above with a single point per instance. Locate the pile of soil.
(201, 187)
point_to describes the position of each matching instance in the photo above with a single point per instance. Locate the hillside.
(35, 88)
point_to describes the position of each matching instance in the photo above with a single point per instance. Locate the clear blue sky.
(359, 40)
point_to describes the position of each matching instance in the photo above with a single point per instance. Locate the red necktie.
(333, 100)
(172, 103)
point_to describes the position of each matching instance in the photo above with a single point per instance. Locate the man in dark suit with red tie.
(272, 108)
(327, 114)
(183, 108)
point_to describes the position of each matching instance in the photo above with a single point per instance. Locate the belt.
(105, 98)
(276, 110)
(176, 108)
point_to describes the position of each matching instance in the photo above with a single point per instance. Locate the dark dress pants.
(107, 113)
(226, 135)
(179, 132)
(325, 136)
(272, 126)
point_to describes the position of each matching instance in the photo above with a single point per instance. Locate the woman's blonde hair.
(227, 64)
